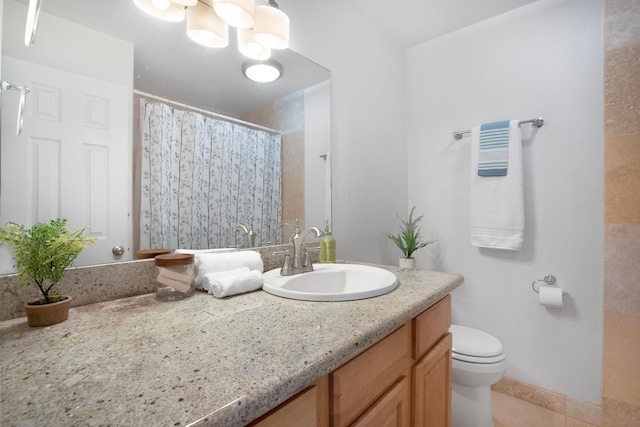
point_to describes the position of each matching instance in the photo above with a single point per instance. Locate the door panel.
(73, 159)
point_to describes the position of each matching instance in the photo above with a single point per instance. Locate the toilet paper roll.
(551, 296)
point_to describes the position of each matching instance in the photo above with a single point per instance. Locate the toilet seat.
(474, 346)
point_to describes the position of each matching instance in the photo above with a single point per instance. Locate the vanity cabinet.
(404, 380)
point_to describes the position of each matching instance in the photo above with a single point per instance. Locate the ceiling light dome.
(262, 71)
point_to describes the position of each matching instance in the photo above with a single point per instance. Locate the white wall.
(317, 141)
(544, 59)
(58, 42)
(368, 141)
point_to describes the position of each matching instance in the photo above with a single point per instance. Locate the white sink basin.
(331, 282)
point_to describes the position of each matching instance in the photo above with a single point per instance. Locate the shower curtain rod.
(537, 122)
(210, 113)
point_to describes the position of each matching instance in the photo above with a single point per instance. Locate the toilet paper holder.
(549, 279)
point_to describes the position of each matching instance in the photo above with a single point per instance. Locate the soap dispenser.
(327, 245)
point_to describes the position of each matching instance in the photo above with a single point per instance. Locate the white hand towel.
(497, 202)
(223, 285)
(207, 262)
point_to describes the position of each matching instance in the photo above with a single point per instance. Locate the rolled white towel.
(224, 284)
(222, 275)
(218, 262)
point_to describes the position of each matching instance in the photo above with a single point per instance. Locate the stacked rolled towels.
(231, 273)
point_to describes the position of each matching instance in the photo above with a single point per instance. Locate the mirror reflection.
(98, 73)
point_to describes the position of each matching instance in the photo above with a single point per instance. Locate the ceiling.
(413, 22)
(168, 63)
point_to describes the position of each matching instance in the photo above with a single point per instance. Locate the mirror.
(116, 46)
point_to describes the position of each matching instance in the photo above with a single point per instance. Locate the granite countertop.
(200, 361)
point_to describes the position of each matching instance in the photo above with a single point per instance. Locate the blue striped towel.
(493, 157)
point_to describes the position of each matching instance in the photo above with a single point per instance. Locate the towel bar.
(537, 122)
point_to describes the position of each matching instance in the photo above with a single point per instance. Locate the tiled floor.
(509, 411)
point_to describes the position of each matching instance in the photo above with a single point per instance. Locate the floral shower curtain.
(201, 176)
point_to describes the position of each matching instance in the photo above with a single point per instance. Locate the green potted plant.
(409, 240)
(42, 253)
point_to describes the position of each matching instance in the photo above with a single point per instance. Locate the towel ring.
(549, 279)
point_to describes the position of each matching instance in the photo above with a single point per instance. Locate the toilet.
(478, 361)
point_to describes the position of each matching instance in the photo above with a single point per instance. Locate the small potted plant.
(409, 240)
(42, 253)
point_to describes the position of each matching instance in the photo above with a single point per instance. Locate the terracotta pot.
(407, 262)
(47, 314)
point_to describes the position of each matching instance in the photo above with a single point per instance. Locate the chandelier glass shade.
(162, 9)
(237, 13)
(187, 3)
(271, 27)
(250, 47)
(205, 27)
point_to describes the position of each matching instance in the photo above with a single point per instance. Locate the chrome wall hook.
(24, 90)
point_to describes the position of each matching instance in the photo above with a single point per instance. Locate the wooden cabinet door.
(431, 325)
(391, 410)
(432, 387)
(356, 385)
(309, 408)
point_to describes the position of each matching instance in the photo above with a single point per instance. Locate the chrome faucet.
(251, 235)
(300, 266)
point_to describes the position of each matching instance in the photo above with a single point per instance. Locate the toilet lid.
(474, 343)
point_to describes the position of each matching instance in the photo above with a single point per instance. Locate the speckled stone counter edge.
(106, 282)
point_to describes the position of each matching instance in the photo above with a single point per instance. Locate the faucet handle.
(251, 236)
(286, 265)
(307, 266)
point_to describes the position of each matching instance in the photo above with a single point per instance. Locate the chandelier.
(260, 28)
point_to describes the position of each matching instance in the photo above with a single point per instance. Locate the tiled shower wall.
(621, 329)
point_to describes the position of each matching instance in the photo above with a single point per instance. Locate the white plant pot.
(407, 262)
